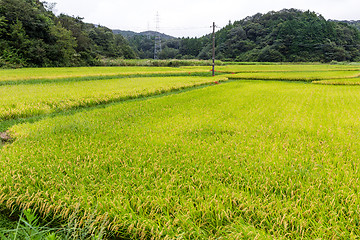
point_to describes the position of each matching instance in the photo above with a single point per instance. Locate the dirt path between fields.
(5, 137)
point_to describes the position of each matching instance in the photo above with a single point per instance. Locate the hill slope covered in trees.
(31, 35)
(289, 35)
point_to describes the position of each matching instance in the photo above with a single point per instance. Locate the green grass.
(296, 76)
(30, 227)
(242, 159)
(19, 101)
(6, 222)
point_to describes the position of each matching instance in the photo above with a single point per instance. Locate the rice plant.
(307, 76)
(61, 73)
(19, 101)
(348, 81)
(245, 159)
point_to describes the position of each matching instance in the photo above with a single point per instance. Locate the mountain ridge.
(129, 34)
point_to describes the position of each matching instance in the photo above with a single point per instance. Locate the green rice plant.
(277, 68)
(288, 68)
(93, 78)
(18, 101)
(158, 63)
(61, 73)
(348, 81)
(245, 159)
(296, 76)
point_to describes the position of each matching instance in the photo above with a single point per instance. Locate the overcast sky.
(192, 18)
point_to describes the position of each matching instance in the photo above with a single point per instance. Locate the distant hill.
(289, 35)
(129, 34)
(33, 36)
(355, 23)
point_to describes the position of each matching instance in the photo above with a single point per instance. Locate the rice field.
(60, 73)
(241, 159)
(347, 81)
(19, 101)
(297, 76)
(279, 68)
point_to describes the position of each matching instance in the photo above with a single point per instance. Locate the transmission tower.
(148, 31)
(157, 48)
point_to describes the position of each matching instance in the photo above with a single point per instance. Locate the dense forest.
(288, 35)
(352, 23)
(32, 36)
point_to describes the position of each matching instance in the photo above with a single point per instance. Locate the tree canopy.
(31, 35)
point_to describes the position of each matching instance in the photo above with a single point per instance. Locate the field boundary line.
(5, 124)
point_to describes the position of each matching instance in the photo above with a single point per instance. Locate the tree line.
(32, 36)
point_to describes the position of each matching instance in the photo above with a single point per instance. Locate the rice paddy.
(297, 76)
(351, 81)
(60, 73)
(18, 101)
(238, 160)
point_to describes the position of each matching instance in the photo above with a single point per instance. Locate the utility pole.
(213, 50)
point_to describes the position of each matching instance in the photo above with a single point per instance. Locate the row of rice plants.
(59, 73)
(29, 100)
(351, 81)
(158, 63)
(280, 68)
(252, 159)
(92, 78)
(7, 75)
(296, 76)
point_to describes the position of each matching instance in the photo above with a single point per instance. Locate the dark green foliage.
(31, 35)
(353, 23)
(288, 35)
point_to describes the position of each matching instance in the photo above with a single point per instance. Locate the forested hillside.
(31, 35)
(352, 23)
(288, 35)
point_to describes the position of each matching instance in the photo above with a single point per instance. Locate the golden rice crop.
(289, 68)
(66, 72)
(254, 68)
(296, 76)
(245, 159)
(29, 100)
(349, 81)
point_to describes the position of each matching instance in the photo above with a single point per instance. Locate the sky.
(192, 18)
